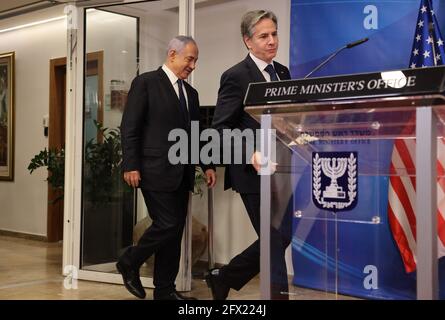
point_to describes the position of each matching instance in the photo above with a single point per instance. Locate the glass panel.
(121, 41)
(111, 60)
(362, 251)
(91, 107)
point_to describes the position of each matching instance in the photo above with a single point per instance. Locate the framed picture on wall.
(7, 116)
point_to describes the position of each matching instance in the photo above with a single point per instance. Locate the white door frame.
(73, 154)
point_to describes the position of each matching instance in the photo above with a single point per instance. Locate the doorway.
(56, 128)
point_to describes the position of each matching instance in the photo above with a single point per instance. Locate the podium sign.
(371, 85)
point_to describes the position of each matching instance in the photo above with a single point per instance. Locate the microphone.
(348, 46)
(356, 43)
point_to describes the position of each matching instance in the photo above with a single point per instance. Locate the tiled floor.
(33, 270)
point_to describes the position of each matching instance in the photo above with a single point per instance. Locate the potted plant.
(102, 170)
(102, 165)
(54, 160)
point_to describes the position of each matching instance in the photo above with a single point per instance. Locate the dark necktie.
(183, 102)
(271, 71)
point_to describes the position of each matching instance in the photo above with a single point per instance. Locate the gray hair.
(178, 43)
(251, 18)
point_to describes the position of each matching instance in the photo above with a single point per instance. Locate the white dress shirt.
(262, 65)
(174, 81)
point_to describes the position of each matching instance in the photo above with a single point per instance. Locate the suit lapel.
(257, 76)
(172, 98)
(166, 84)
(255, 73)
(192, 103)
(282, 72)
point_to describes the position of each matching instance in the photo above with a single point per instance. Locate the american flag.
(428, 50)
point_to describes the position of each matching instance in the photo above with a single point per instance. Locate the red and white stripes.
(402, 199)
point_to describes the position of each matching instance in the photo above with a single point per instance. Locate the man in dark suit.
(159, 102)
(259, 33)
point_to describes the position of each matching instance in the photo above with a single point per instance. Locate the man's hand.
(210, 177)
(256, 161)
(132, 178)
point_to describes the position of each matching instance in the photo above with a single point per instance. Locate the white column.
(426, 204)
(184, 279)
(265, 208)
(73, 142)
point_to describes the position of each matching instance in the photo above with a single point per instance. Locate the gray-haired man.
(158, 102)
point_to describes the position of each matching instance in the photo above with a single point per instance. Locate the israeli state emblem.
(334, 180)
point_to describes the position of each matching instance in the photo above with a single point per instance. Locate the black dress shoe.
(175, 295)
(131, 279)
(219, 289)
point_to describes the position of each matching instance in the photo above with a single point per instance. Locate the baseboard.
(22, 235)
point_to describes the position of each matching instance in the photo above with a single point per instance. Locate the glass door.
(121, 41)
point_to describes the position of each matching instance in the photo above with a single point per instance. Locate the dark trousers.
(246, 265)
(168, 211)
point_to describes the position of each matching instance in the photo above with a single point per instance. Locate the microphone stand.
(348, 46)
(431, 33)
(326, 61)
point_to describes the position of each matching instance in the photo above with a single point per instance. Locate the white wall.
(23, 202)
(157, 28)
(218, 35)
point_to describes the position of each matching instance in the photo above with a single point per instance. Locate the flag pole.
(433, 46)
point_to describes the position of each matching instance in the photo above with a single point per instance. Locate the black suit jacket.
(230, 114)
(151, 112)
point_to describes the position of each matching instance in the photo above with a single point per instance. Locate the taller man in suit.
(158, 102)
(260, 36)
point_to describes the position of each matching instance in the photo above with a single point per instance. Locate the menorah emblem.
(334, 171)
(334, 180)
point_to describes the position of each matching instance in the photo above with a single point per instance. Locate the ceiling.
(11, 4)
(10, 8)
